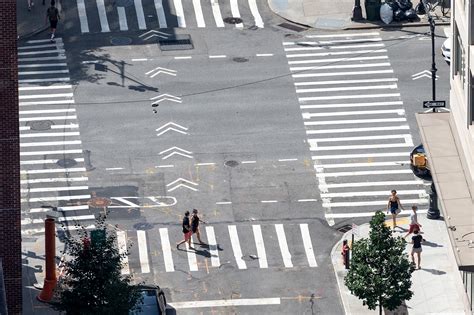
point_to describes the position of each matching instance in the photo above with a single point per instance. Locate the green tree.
(93, 283)
(380, 272)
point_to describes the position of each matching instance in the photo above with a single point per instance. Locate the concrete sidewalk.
(30, 23)
(437, 286)
(336, 14)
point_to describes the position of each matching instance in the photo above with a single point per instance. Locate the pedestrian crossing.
(53, 171)
(355, 122)
(228, 246)
(124, 15)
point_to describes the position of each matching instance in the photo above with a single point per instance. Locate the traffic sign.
(434, 104)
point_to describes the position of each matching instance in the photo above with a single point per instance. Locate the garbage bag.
(386, 13)
(405, 4)
(399, 15)
(393, 4)
(410, 15)
(420, 9)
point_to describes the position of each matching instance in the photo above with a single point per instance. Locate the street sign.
(434, 104)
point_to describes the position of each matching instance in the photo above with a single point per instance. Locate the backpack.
(53, 13)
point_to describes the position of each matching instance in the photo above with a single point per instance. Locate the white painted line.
(354, 121)
(51, 87)
(332, 82)
(47, 111)
(164, 166)
(37, 41)
(42, 72)
(326, 42)
(255, 13)
(68, 126)
(216, 11)
(183, 57)
(66, 228)
(335, 60)
(113, 168)
(364, 173)
(362, 155)
(248, 162)
(59, 57)
(198, 13)
(264, 55)
(287, 160)
(348, 88)
(102, 16)
(52, 161)
(140, 59)
(49, 80)
(399, 112)
(223, 203)
(140, 14)
(41, 52)
(48, 134)
(234, 8)
(48, 118)
(333, 47)
(373, 193)
(222, 303)
(308, 246)
(143, 251)
(285, 253)
(53, 180)
(46, 103)
(166, 248)
(372, 203)
(261, 253)
(348, 130)
(54, 170)
(352, 105)
(42, 65)
(49, 189)
(348, 66)
(373, 184)
(50, 152)
(360, 147)
(363, 138)
(178, 6)
(67, 208)
(341, 97)
(28, 221)
(344, 73)
(57, 198)
(50, 143)
(122, 15)
(368, 164)
(217, 56)
(344, 35)
(336, 53)
(160, 13)
(122, 247)
(211, 239)
(192, 259)
(325, 46)
(39, 46)
(234, 240)
(204, 164)
(364, 214)
(81, 10)
(307, 200)
(269, 201)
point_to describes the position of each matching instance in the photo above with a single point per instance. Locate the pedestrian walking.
(195, 220)
(416, 240)
(345, 252)
(414, 225)
(186, 230)
(52, 14)
(394, 206)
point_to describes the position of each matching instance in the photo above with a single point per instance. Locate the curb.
(344, 303)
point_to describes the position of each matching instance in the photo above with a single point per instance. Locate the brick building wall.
(10, 211)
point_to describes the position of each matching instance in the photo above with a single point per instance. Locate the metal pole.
(433, 62)
(357, 11)
(433, 211)
(50, 257)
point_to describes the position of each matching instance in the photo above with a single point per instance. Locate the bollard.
(50, 280)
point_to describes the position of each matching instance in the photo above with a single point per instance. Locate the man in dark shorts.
(195, 220)
(186, 230)
(52, 14)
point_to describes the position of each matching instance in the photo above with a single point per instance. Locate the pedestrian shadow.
(431, 244)
(200, 252)
(434, 271)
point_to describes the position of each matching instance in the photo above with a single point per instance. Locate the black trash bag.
(420, 9)
(393, 4)
(410, 15)
(398, 15)
(405, 4)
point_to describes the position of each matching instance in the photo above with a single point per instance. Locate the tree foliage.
(380, 272)
(93, 283)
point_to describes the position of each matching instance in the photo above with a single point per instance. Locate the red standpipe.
(50, 249)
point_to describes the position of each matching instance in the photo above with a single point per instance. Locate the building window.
(459, 59)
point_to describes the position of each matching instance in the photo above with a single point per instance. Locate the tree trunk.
(380, 305)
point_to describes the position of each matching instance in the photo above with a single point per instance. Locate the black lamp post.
(357, 11)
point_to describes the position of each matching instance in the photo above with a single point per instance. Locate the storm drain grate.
(345, 228)
(66, 163)
(231, 163)
(240, 59)
(292, 27)
(178, 42)
(120, 41)
(40, 125)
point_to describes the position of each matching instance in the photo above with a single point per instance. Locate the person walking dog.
(195, 220)
(52, 14)
(186, 230)
(413, 221)
(394, 206)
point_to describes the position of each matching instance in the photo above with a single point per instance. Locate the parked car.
(446, 49)
(153, 302)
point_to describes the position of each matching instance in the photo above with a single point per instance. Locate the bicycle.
(431, 5)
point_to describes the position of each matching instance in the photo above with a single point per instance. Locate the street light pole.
(357, 11)
(433, 62)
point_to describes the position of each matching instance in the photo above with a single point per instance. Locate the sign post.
(434, 104)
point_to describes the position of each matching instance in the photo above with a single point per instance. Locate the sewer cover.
(292, 27)
(66, 163)
(240, 59)
(124, 3)
(345, 228)
(233, 20)
(40, 125)
(231, 163)
(177, 42)
(120, 41)
(143, 226)
(99, 202)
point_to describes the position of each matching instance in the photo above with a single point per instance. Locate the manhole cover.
(240, 59)
(124, 3)
(99, 202)
(143, 226)
(293, 36)
(292, 27)
(40, 125)
(231, 163)
(177, 42)
(66, 163)
(120, 41)
(233, 20)
(345, 228)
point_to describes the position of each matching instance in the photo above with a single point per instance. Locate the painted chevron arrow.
(159, 70)
(153, 33)
(171, 126)
(424, 73)
(176, 150)
(181, 184)
(164, 97)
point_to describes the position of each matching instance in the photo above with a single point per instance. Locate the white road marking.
(360, 147)
(234, 239)
(41, 52)
(37, 41)
(345, 66)
(269, 201)
(113, 168)
(102, 16)
(353, 121)
(344, 73)
(326, 42)
(285, 253)
(363, 173)
(344, 35)
(81, 10)
(166, 248)
(140, 59)
(122, 18)
(50, 152)
(47, 111)
(255, 13)
(160, 12)
(54, 170)
(333, 47)
(28, 221)
(53, 180)
(183, 57)
(42, 65)
(223, 203)
(373, 193)
(178, 6)
(287, 160)
(216, 11)
(50, 143)
(372, 203)
(344, 130)
(264, 55)
(198, 13)
(225, 303)
(348, 88)
(42, 72)
(363, 138)
(68, 126)
(217, 56)
(234, 7)
(308, 246)
(49, 189)
(72, 117)
(352, 105)
(332, 82)
(57, 198)
(204, 164)
(34, 103)
(140, 14)
(52, 161)
(373, 184)
(335, 60)
(122, 247)
(164, 166)
(51, 87)
(366, 214)
(211, 239)
(261, 253)
(192, 259)
(49, 80)
(307, 200)
(368, 164)
(67, 208)
(143, 251)
(341, 97)
(399, 112)
(362, 155)
(38, 46)
(66, 228)
(248, 162)
(336, 53)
